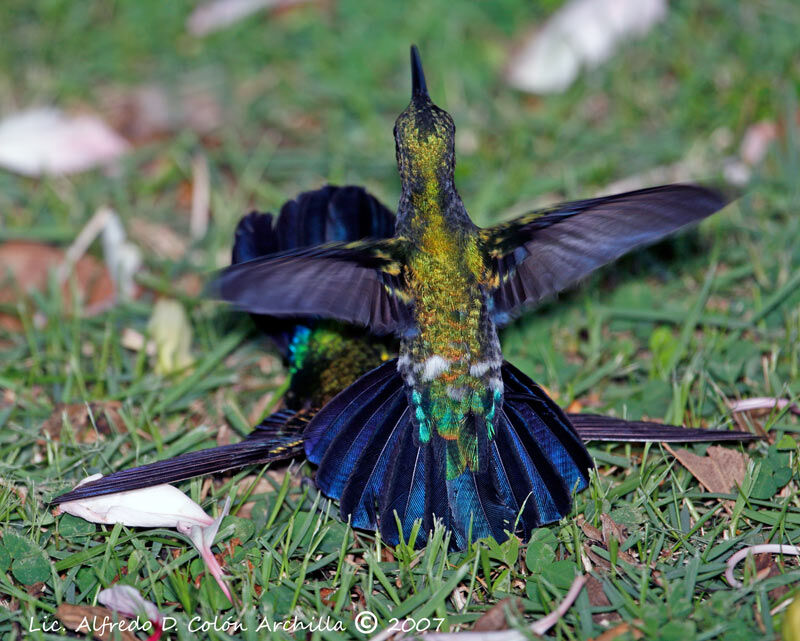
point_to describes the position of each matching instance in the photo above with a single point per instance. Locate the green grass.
(310, 96)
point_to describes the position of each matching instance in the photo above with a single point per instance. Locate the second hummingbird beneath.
(449, 431)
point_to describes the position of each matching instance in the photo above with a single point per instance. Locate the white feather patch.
(479, 369)
(433, 367)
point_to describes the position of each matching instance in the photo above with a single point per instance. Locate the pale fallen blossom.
(47, 141)
(583, 33)
(756, 549)
(218, 14)
(156, 506)
(127, 601)
(203, 539)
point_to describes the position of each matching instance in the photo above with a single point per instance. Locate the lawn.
(301, 97)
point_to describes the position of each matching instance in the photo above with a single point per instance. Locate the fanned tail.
(278, 437)
(539, 452)
(594, 427)
(369, 459)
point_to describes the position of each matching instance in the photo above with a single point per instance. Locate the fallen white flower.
(581, 33)
(127, 601)
(218, 14)
(203, 539)
(47, 141)
(157, 506)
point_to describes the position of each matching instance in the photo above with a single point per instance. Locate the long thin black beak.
(418, 86)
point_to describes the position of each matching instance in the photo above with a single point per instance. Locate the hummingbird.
(448, 431)
(324, 357)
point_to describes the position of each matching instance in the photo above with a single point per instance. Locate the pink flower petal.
(127, 600)
(203, 539)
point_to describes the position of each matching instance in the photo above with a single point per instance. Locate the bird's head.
(424, 137)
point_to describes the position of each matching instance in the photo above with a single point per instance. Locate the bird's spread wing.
(546, 251)
(359, 282)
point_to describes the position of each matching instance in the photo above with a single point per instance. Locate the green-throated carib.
(448, 430)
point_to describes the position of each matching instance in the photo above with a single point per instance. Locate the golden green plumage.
(451, 363)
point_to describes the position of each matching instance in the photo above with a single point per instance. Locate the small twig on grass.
(769, 548)
(86, 237)
(763, 403)
(537, 627)
(201, 197)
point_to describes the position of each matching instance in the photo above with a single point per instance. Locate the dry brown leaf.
(79, 617)
(610, 528)
(616, 531)
(224, 435)
(495, 618)
(25, 267)
(618, 631)
(78, 415)
(151, 112)
(575, 407)
(756, 141)
(590, 530)
(766, 567)
(598, 599)
(721, 470)
(190, 284)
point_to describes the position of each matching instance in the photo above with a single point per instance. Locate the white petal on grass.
(218, 14)
(47, 141)
(123, 258)
(127, 600)
(756, 549)
(583, 33)
(157, 506)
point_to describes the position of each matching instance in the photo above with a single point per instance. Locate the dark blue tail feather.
(350, 446)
